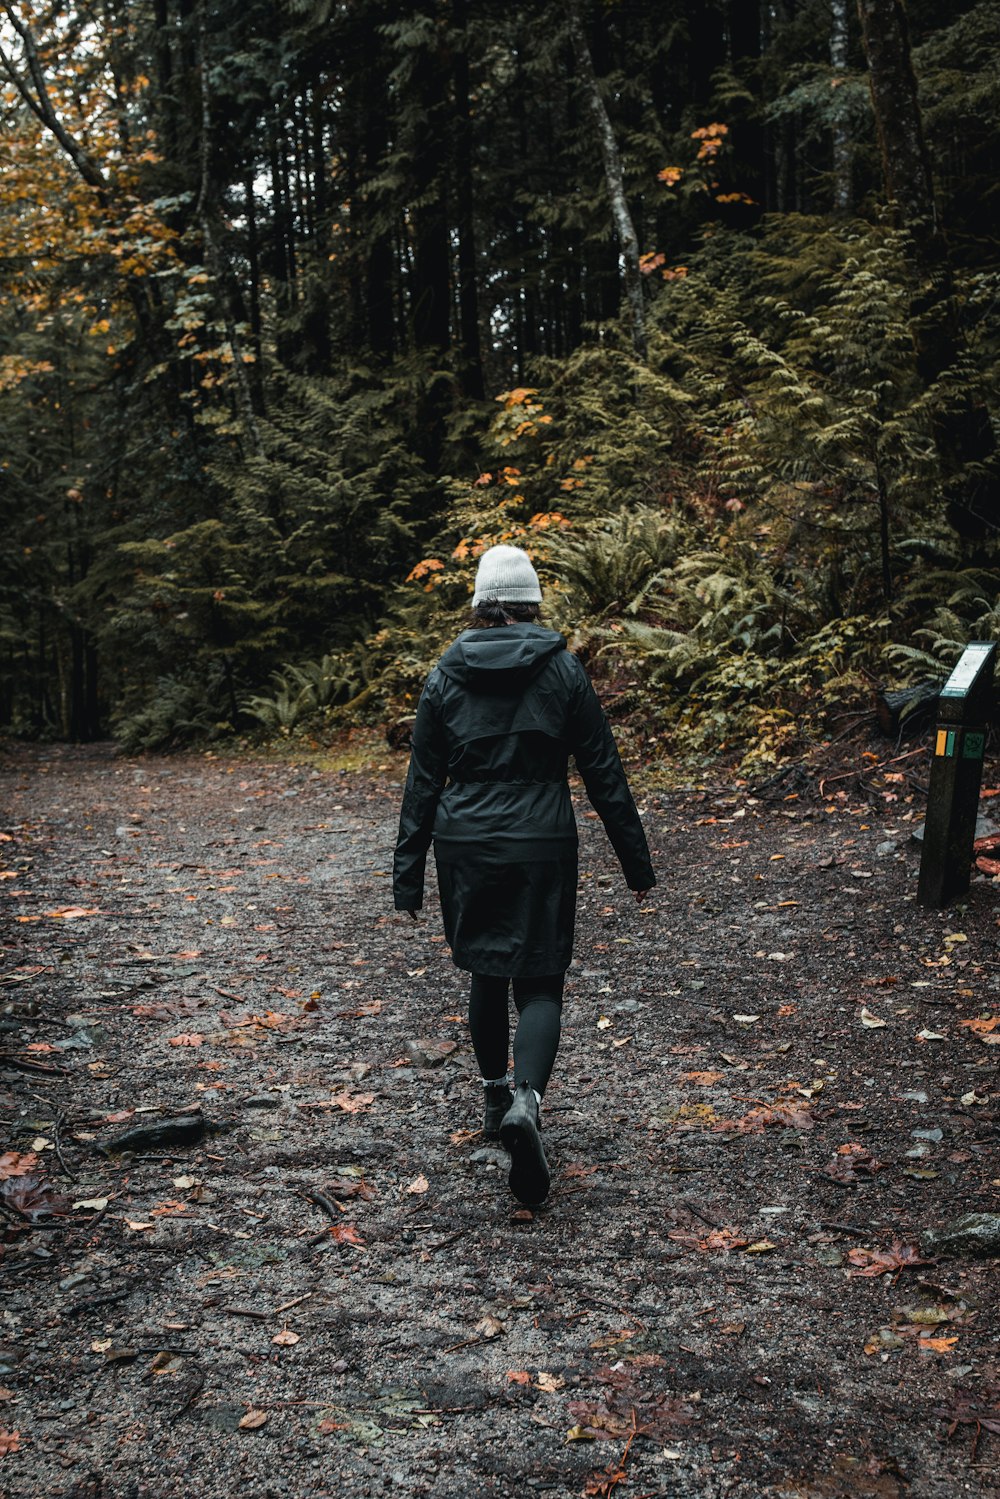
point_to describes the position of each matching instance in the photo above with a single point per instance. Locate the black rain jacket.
(497, 721)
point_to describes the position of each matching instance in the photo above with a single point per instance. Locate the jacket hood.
(502, 658)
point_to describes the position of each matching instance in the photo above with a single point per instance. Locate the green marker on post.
(965, 706)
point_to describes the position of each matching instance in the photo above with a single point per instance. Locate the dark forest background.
(303, 304)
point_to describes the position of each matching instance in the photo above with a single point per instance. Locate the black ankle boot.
(519, 1134)
(498, 1099)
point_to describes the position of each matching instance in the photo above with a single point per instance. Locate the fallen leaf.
(936, 1345)
(489, 1327)
(13, 1164)
(898, 1256)
(32, 1197)
(550, 1383)
(351, 1103)
(518, 1376)
(871, 1021)
(285, 1338)
(982, 1026)
(702, 1079)
(346, 1233)
(253, 1420)
(417, 1185)
(747, 1019)
(138, 1227)
(93, 1204)
(70, 913)
(926, 1035)
(186, 1038)
(10, 1441)
(762, 1246)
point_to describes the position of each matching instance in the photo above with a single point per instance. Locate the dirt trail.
(725, 1131)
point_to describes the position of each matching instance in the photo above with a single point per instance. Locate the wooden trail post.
(964, 709)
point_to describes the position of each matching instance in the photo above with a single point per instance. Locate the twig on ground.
(198, 1384)
(286, 1306)
(58, 1123)
(686, 1202)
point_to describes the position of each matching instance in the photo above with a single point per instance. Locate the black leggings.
(536, 1040)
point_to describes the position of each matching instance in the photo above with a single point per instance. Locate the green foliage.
(177, 712)
(300, 693)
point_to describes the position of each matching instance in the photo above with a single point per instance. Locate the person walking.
(498, 718)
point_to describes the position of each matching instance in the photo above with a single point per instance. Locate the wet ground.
(308, 1276)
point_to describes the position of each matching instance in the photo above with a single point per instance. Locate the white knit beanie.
(505, 574)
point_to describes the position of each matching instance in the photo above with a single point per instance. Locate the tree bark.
(210, 219)
(468, 269)
(963, 432)
(841, 142)
(613, 176)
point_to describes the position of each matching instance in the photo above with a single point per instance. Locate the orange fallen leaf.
(936, 1345)
(253, 1420)
(982, 1027)
(351, 1103)
(186, 1038)
(70, 913)
(14, 1164)
(518, 1376)
(702, 1079)
(346, 1233)
(285, 1338)
(898, 1256)
(10, 1441)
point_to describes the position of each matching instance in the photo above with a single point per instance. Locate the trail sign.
(964, 708)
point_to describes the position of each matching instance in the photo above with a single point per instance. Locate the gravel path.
(310, 1278)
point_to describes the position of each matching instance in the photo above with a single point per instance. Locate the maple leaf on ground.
(899, 1256)
(10, 1441)
(32, 1197)
(626, 1412)
(789, 1113)
(979, 1409)
(340, 1187)
(351, 1103)
(13, 1164)
(346, 1233)
(847, 1160)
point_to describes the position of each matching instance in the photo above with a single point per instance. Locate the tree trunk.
(468, 279)
(963, 432)
(614, 178)
(841, 141)
(905, 163)
(210, 219)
